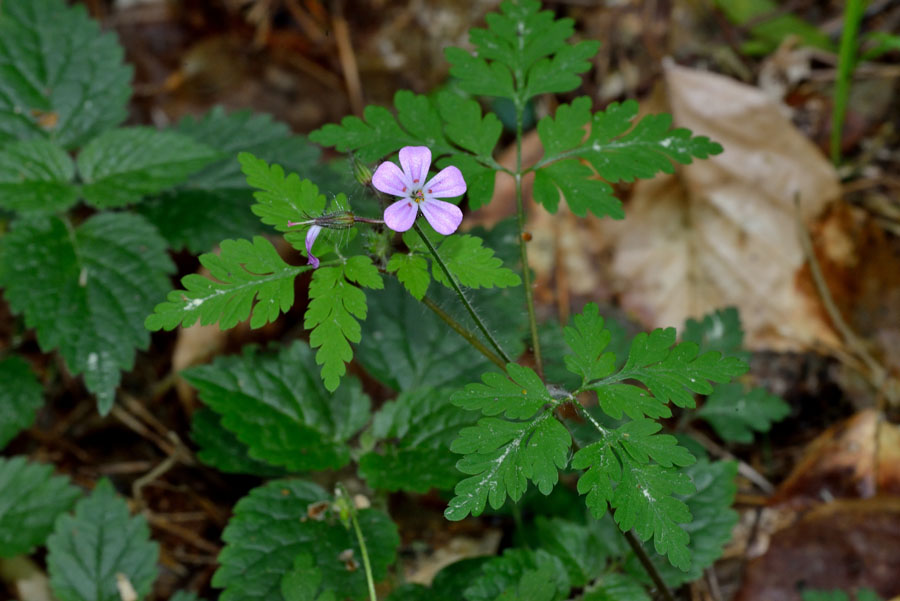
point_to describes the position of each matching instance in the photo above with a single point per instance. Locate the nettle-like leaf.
(249, 278)
(278, 408)
(122, 166)
(415, 432)
(60, 78)
(36, 177)
(735, 413)
(616, 587)
(223, 450)
(613, 150)
(31, 498)
(21, 395)
(451, 126)
(335, 305)
(579, 546)
(272, 526)
(86, 290)
(718, 331)
(90, 550)
(504, 575)
(521, 54)
(304, 581)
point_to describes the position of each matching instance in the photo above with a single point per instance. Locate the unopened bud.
(339, 220)
(361, 171)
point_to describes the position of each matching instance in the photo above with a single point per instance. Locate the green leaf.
(303, 581)
(734, 413)
(86, 290)
(502, 575)
(519, 396)
(122, 166)
(88, 551)
(503, 456)
(185, 596)
(31, 498)
(615, 150)
(535, 585)
(718, 331)
(616, 587)
(332, 314)
(587, 337)
(465, 126)
(20, 397)
(61, 77)
(277, 407)
(272, 526)
(474, 265)
(561, 73)
(579, 546)
(478, 76)
(36, 176)
(223, 450)
(415, 431)
(412, 271)
(250, 277)
(280, 198)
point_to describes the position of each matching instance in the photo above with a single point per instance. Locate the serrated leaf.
(86, 290)
(61, 77)
(615, 150)
(534, 585)
(31, 498)
(36, 177)
(474, 265)
(122, 166)
(302, 582)
(718, 331)
(271, 526)
(87, 551)
(280, 198)
(561, 73)
(503, 456)
(21, 395)
(640, 440)
(465, 125)
(735, 413)
(250, 278)
(412, 271)
(578, 546)
(277, 407)
(588, 337)
(502, 574)
(519, 396)
(415, 431)
(616, 587)
(478, 76)
(223, 450)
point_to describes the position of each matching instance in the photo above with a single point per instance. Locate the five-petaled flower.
(408, 184)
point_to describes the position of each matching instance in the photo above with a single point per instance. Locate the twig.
(648, 565)
(186, 534)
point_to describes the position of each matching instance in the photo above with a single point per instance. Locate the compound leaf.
(86, 290)
(412, 272)
(276, 406)
(36, 177)
(587, 337)
(90, 550)
(474, 265)
(20, 397)
(735, 413)
(31, 498)
(519, 396)
(465, 125)
(616, 587)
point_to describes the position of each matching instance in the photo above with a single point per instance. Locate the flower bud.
(361, 172)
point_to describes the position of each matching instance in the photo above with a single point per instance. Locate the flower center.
(418, 196)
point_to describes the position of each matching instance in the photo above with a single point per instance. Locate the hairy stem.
(523, 246)
(365, 555)
(462, 331)
(462, 297)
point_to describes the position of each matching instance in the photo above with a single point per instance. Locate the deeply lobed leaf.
(519, 396)
(474, 265)
(735, 413)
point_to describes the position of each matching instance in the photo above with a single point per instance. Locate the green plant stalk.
(523, 246)
(462, 331)
(462, 297)
(365, 555)
(847, 58)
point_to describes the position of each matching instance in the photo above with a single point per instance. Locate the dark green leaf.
(616, 587)
(36, 176)
(501, 574)
(412, 271)
(223, 450)
(21, 396)
(718, 331)
(734, 413)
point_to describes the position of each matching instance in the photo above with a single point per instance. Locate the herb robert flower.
(414, 195)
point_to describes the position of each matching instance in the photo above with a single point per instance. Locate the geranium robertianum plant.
(423, 309)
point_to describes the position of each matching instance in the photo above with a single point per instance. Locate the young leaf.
(474, 265)
(223, 450)
(90, 551)
(272, 526)
(718, 331)
(31, 498)
(21, 395)
(86, 290)
(279, 409)
(734, 413)
(67, 75)
(615, 151)
(587, 337)
(519, 396)
(332, 314)
(503, 456)
(36, 177)
(616, 587)
(412, 271)
(250, 277)
(505, 573)
(280, 198)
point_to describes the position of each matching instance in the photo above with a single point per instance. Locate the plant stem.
(462, 297)
(847, 56)
(648, 566)
(365, 554)
(462, 331)
(523, 245)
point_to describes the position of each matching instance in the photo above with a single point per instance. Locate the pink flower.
(444, 217)
(311, 236)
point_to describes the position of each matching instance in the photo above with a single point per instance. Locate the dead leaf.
(722, 232)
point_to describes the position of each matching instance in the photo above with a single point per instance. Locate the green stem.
(847, 56)
(462, 331)
(523, 246)
(363, 551)
(462, 297)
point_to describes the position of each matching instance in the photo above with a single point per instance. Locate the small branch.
(462, 331)
(648, 565)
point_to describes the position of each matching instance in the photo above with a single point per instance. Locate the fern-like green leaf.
(519, 396)
(588, 337)
(474, 265)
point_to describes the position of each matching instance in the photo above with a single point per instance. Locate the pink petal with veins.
(311, 236)
(388, 178)
(447, 183)
(415, 161)
(401, 215)
(444, 217)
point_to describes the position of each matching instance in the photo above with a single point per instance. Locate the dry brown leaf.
(722, 232)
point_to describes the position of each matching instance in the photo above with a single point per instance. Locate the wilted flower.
(336, 221)
(444, 217)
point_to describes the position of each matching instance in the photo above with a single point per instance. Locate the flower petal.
(415, 161)
(447, 183)
(388, 178)
(401, 215)
(444, 217)
(311, 236)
